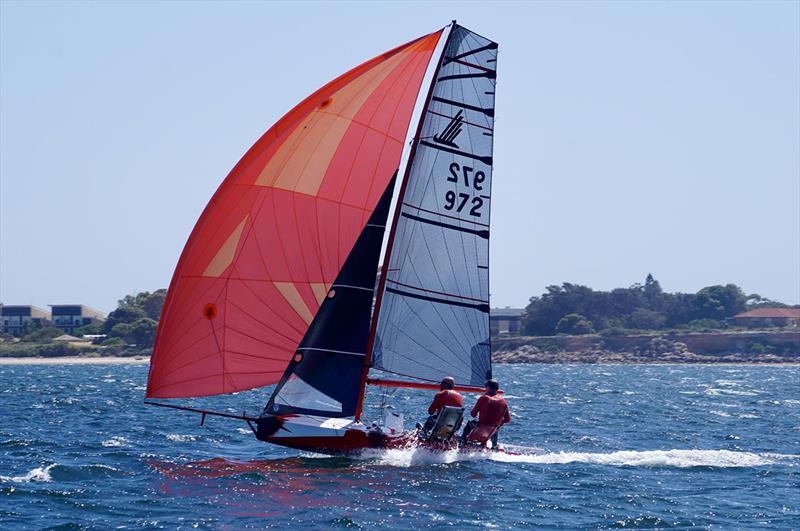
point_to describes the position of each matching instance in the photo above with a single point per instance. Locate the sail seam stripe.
(437, 292)
(491, 46)
(463, 105)
(489, 75)
(465, 63)
(480, 307)
(481, 233)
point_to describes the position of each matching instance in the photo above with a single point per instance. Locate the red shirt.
(493, 411)
(447, 397)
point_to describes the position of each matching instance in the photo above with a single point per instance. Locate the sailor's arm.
(477, 407)
(434, 405)
(506, 416)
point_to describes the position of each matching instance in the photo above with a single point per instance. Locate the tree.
(679, 308)
(134, 307)
(719, 302)
(544, 313)
(90, 329)
(154, 303)
(575, 324)
(653, 293)
(123, 331)
(122, 315)
(645, 319)
(143, 332)
(42, 334)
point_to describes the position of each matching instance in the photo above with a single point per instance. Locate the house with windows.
(506, 321)
(15, 320)
(70, 317)
(758, 317)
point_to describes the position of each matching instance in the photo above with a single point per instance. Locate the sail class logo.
(450, 132)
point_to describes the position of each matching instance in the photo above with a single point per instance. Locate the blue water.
(622, 447)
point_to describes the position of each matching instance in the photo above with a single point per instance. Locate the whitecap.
(181, 438)
(115, 441)
(717, 392)
(40, 474)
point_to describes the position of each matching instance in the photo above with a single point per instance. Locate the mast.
(392, 230)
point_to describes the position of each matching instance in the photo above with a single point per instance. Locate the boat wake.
(651, 458)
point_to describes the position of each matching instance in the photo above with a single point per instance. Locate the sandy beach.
(76, 360)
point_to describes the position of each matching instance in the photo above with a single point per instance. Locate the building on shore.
(16, 319)
(70, 317)
(758, 317)
(506, 321)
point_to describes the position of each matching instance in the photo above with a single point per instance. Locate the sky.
(631, 137)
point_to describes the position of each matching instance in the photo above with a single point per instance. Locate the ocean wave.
(40, 474)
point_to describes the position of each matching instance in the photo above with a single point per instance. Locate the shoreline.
(77, 360)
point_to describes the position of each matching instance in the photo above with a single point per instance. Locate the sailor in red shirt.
(491, 410)
(446, 397)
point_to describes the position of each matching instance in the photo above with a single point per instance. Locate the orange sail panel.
(274, 236)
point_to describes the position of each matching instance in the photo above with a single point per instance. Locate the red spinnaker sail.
(276, 233)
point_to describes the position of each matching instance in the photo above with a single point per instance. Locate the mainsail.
(276, 234)
(433, 303)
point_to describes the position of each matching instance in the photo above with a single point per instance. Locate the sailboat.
(386, 168)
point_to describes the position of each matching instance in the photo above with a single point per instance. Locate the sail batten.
(260, 260)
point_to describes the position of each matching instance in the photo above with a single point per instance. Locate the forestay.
(433, 318)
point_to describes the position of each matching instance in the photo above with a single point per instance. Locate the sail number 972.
(472, 179)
